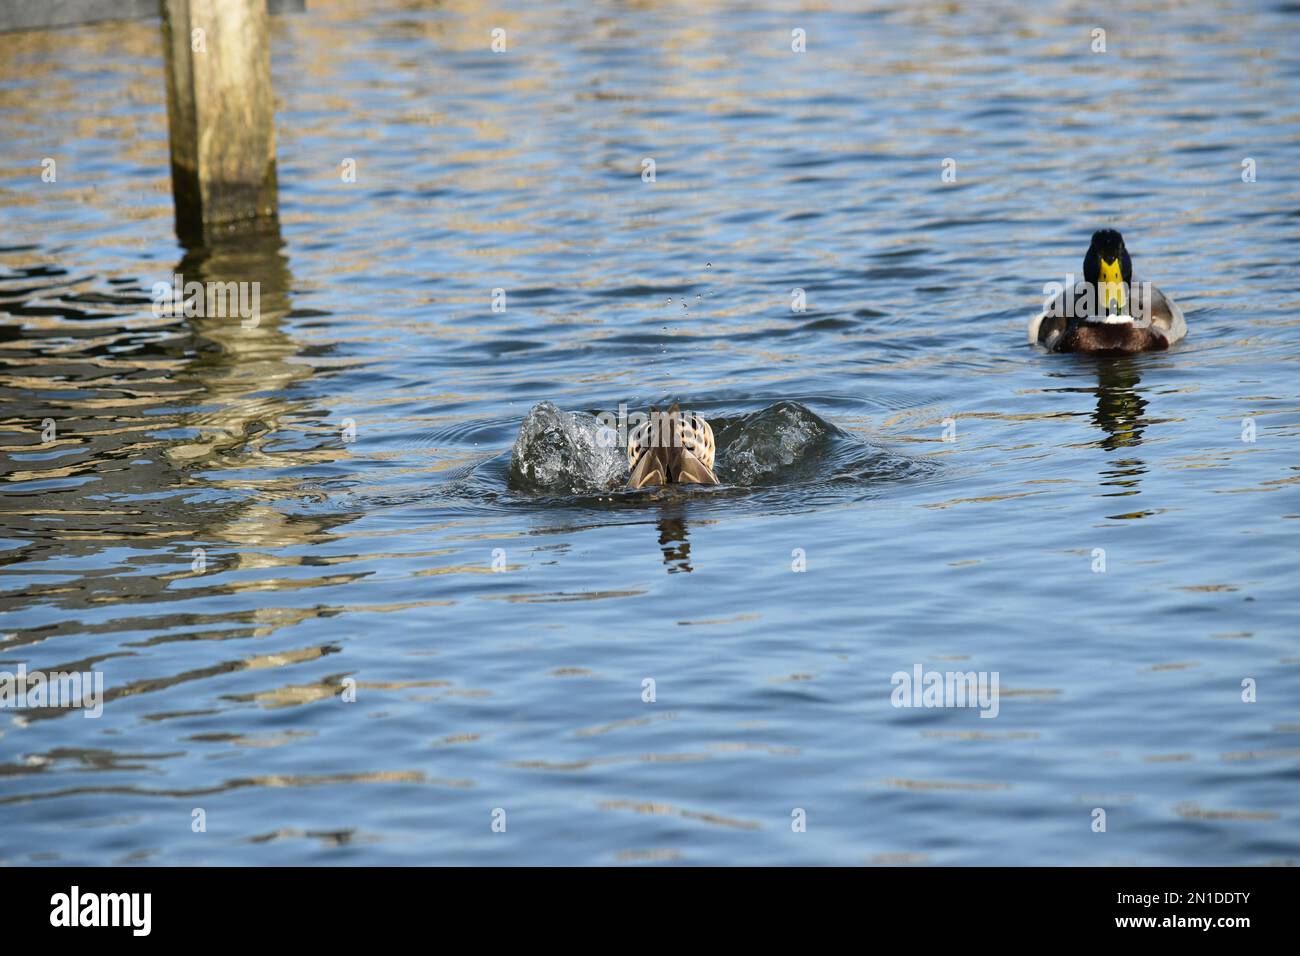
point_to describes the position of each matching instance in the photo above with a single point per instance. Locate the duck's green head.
(1108, 267)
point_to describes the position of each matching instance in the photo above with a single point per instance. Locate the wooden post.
(221, 116)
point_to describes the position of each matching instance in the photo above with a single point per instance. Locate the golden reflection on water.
(264, 780)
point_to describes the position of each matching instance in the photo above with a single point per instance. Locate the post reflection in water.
(249, 390)
(159, 421)
(241, 368)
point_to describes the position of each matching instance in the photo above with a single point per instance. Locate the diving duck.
(1095, 316)
(671, 449)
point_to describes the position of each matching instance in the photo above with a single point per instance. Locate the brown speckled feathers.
(671, 449)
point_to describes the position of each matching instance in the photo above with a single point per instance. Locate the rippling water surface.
(336, 567)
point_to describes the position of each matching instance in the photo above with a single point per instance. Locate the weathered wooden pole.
(221, 116)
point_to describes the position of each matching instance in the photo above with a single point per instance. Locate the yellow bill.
(1110, 288)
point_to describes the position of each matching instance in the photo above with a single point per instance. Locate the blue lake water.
(1116, 539)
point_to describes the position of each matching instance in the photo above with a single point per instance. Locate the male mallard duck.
(1095, 315)
(669, 449)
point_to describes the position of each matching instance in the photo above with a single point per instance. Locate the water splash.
(566, 452)
(575, 453)
(777, 442)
